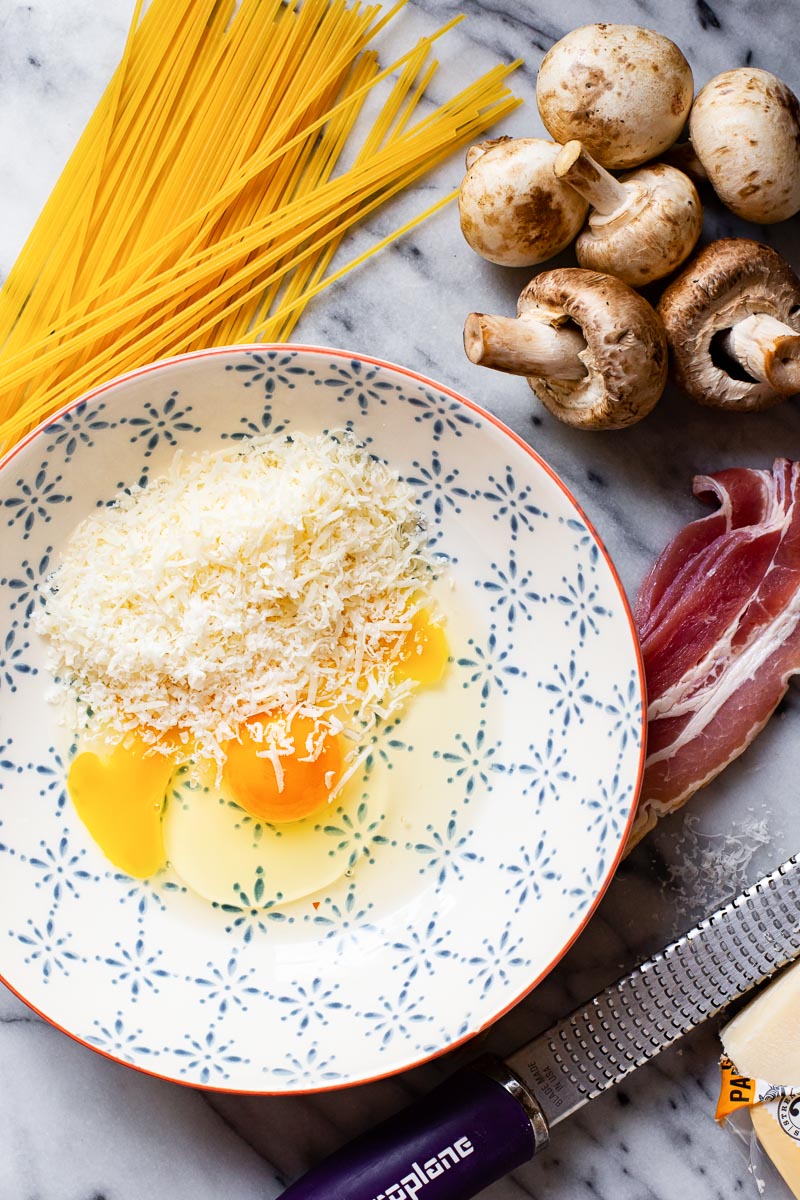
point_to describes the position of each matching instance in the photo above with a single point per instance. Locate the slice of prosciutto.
(718, 618)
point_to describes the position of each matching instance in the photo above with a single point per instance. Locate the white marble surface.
(74, 1126)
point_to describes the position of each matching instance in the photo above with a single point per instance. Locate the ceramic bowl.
(478, 863)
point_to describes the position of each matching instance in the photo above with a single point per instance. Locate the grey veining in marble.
(74, 1126)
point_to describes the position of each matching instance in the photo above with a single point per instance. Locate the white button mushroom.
(592, 349)
(642, 226)
(513, 209)
(623, 91)
(745, 129)
(733, 325)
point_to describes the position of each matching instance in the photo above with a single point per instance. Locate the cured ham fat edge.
(718, 618)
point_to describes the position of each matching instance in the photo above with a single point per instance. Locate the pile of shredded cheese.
(711, 867)
(279, 577)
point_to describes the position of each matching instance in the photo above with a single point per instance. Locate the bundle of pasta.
(207, 196)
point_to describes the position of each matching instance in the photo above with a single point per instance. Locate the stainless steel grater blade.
(726, 955)
(494, 1116)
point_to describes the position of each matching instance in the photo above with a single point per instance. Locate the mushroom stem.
(768, 350)
(477, 150)
(577, 168)
(524, 346)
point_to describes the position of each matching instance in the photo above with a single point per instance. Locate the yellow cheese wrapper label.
(736, 1091)
(741, 1091)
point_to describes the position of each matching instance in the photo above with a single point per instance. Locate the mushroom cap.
(651, 235)
(729, 280)
(622, 90)
(745, 128)
(625, 355)
(513, 209)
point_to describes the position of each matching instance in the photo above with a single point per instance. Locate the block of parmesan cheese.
(777, 1128)
(764, 1038)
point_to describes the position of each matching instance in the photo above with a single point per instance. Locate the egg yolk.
(424, 652)
(305, 784)
(120, 796)
(120, 799)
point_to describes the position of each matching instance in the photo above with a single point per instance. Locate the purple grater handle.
(468, 1133)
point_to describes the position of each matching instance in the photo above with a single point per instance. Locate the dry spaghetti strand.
(213, 185)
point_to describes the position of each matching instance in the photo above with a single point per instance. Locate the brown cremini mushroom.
(641, 226)
(623, 91)
(733, 325)
(591, 348)
(745, 129)
(513, 210)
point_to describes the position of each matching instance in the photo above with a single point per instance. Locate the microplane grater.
(492, 1117)
(695, 977)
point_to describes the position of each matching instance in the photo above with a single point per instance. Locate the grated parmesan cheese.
(276, 576)
(710, 867)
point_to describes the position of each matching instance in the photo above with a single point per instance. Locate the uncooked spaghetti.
(207, 196)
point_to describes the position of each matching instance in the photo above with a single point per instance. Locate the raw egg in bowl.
(321, 719)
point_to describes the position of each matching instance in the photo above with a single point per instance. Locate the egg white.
(229, 857)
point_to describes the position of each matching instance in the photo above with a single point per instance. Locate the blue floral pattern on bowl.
(436, 927)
